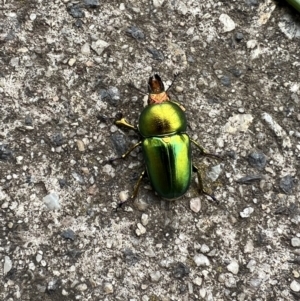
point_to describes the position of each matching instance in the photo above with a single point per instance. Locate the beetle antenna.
(131, 85)
(176, 74)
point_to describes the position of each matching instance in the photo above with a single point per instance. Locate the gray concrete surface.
(65, 70)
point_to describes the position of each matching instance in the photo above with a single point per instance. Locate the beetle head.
(155, 84)
(156, 89)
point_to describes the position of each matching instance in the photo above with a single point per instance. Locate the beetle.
(295, 4)
(166, 146)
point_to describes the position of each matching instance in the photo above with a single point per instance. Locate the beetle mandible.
(166, 146)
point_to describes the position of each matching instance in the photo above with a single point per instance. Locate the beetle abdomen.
(168, 163)
(162, 119)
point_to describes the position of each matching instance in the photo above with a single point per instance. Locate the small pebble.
(38, 257)
(295, 286)
(239, 36)
(92, 3)
(233, 267)
(228, 23)
(77, 177)
(225, 81)
(158, 3)
(202, 293)
(246, 212)
(140, 230)
(81, 287)
(52, 201)
(145, 219)
(287, 184)
(99, 46)
(32, 17)
(215, 172)
(179, 89)
(197, 281)
(135, 32)
(230, 282)
(80, 145)
(155, 276)
(295, 242)
(180, 270)
(123, 196)
(7, 265)
(68, 234)
(71, 61)
(249, 247)
(296, 274)
(204, 248)
(10, 225)
(85, 49)
(201, 260)
(195, 204)
(108, 288)
(257, 160)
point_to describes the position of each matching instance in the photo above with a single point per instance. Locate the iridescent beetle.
(165, 145)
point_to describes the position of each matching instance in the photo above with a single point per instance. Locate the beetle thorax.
(162, 119)
(158, 98)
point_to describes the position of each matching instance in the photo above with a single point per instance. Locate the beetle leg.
(123, 122)
(204, 152)
(174, 79)
(137, 185)
(135, 190)
(127, 153)
(200, 185)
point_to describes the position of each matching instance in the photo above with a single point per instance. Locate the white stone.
(295, 241)
(108, 288)
(228, 23)
(145, 219)
(99, 46)
(7, 265)
(197, 281)
(82, 287)
(80, 145)
(71, 61)
(123, 196)
(215, 172)
(202, 293)
(52, 201)
(295, 286)
(249, 247)
(238, 123)
(158, 3)
(32, 17)
(38, 257)
(204, 248)
(155, 276)
(85, 49)
(109, 170)
(31, 266)
(233, 267)
(140, 230)
(195, 204)
(251, 44)
(201, 260)
(246, 212)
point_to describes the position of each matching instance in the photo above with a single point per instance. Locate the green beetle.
(165, 145)
(295, 4)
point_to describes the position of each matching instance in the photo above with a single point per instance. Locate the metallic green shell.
(295, 3)
(162, 119)
(168, 164)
